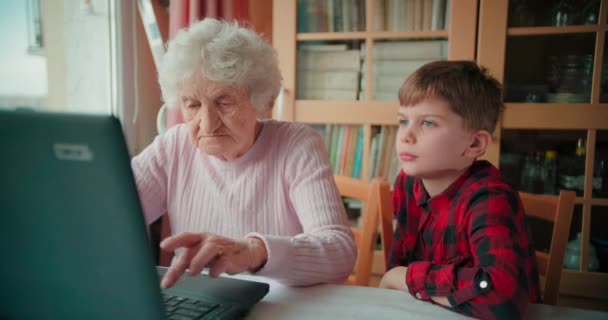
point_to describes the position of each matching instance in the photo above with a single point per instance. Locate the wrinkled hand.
(394, 279)
(219, 254)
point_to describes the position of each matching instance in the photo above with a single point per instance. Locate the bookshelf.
(290, 33)
(554, 73)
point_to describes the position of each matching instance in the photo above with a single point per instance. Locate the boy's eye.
(404, 122)
(428, 123)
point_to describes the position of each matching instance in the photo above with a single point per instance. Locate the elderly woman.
(243, 194)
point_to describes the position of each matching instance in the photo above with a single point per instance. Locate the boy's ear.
(479, 144)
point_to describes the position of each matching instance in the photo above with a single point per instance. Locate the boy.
(461, 239)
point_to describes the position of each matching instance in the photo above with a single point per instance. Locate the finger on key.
(176, 270)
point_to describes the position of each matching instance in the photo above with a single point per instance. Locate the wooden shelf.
(555, 116)
(584, 284)
(538, 31)
(307, 36)
(592, 201)
(331, 36)
(346, 112)
(599, 202)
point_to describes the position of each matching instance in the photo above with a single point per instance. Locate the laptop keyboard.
(180, 308)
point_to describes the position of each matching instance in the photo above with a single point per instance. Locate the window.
(35, 38)
(60, 56)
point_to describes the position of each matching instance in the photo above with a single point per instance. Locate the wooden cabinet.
(551, 60)
(555, 81)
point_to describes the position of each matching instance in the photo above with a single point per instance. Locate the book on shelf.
(317, 79)
(348, 60)
(382, 162)
(358, 154)
(380, 96)
(418, 14)
(327, 94)
(409, 15)
(345, 147)
(439, 15)
(328, 72)
(386, 83)
(329, 15)
(427, 14)
(389, 151)
(379, 15)
(336, 148)
(403, 50)
(389, 15)
(322, 47)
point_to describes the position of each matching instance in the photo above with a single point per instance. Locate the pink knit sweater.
(281, 190)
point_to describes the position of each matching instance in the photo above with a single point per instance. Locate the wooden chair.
(558, 210)
(376, 197)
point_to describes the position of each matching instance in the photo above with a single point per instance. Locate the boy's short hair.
(468, 88)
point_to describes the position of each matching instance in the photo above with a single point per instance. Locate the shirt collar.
(422, 197)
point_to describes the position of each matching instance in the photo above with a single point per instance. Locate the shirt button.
(483, 284)
(418, 296)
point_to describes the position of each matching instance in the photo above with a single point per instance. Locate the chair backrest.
(558, 210)
(374, 194)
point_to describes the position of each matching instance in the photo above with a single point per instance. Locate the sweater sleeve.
(325, 251)
(151, 171)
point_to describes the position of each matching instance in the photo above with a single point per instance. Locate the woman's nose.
(208, 119)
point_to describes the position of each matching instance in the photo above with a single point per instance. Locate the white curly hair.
(224, 52)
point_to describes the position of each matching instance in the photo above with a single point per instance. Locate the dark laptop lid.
(72, 237)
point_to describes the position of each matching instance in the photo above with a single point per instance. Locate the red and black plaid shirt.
(469, 244)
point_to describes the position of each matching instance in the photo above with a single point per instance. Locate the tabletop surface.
(350, 302)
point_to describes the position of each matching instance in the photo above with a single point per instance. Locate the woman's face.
(222, 121)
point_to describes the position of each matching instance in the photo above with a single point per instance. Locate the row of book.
(337, 72)
(331, 15)
(383, 160)
(394, 61)
(411, 15)
(345, 149)
(328, 72)
(389, 15)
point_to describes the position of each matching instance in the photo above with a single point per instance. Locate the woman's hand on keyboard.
(219, 254)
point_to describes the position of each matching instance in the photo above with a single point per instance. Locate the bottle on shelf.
(600, 188)
(573, 176)
(532, 174)
(550, 172)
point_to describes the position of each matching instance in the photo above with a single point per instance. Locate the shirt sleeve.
(150, 169)
(399, 256)
(496, 286)
(325, 252)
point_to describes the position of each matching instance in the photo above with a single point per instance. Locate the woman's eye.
(224, 105)
(404, 122)
(428, 123)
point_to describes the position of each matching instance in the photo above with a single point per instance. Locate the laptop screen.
(72, 235)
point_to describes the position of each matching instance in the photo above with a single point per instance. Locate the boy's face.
(432, 140)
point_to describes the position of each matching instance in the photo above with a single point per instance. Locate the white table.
(334, 302)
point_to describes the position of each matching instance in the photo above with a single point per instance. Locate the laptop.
(73, 240)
